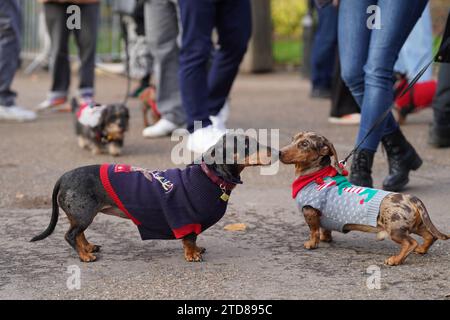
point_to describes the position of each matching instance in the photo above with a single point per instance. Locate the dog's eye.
(303, 144)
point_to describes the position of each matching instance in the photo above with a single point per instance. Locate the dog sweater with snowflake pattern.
(339, 201)
(166, 204)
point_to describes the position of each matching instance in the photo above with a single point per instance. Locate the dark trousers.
(86, 41)
(441, 102)
(204, 90)
(324, 48)
(342, 101)
(10, 26)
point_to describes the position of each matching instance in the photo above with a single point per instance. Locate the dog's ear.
(209, 156)
(104, 117)
(333, 154)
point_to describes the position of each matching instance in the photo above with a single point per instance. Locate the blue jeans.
(324, 48)
(418, 49)
(10, 28)
(368, 57)
(204, 87)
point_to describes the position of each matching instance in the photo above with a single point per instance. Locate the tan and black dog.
(101, 128)
(397, 215)
(169, 204)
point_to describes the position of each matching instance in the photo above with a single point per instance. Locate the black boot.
(402, 158)
(439, 136)
(361, 170)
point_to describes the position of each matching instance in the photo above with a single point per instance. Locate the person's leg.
(86, 39)
(198, 20)
(55, 18)
(161, 18)
(324, 50)
(418, 49)
(9, 49)
(439, 135)
(353, 44)
(344, 109)
(10, 29)
(234, 24)
(397, 21)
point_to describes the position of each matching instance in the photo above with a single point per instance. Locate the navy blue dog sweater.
(166, 204)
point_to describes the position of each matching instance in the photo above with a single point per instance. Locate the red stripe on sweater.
(303, 181)
(187, 229)
(110, 190)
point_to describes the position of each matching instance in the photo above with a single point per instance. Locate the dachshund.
(329, 201)
(170, 204)
(101, 127)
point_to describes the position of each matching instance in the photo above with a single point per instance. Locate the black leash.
(380, 119)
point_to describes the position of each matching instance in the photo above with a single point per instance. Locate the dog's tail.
(427, 220)
(55, 215)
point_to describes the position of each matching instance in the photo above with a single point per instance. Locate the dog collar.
(224, 185)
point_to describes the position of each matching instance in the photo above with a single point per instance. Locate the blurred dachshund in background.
(101, 128)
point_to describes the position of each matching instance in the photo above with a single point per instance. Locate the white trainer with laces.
(349, 119)
(202, 139)
(16, 113)
(51, 103)
(161, 128)
(219, 120)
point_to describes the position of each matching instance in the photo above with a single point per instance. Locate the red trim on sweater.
(81, 109)
(187, 229)
(110, 190)
(317, 176)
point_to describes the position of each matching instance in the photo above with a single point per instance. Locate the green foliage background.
(287, 15)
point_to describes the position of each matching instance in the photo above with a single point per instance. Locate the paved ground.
(265, 261)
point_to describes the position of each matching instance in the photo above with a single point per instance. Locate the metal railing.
(36, 44)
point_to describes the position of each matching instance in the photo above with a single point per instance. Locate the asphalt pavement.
(266, 261)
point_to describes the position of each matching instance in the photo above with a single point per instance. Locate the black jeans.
(86, 41)
(10, 29)
(441, 103)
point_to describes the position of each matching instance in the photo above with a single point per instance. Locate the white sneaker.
(219, 120)
(161, 128)
(51, 103)
(349, 119)
(202, 139)
(16, 113)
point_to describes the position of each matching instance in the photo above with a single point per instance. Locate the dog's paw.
(87, 257)
(326, 238)
(194, 257)
(420, 250)
(114, 150)
(393, 261)
(310, 245)
(201, 250)
(82, 143)
(95, 150)
(93, 248)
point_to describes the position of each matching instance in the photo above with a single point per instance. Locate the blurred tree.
(287, 15)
